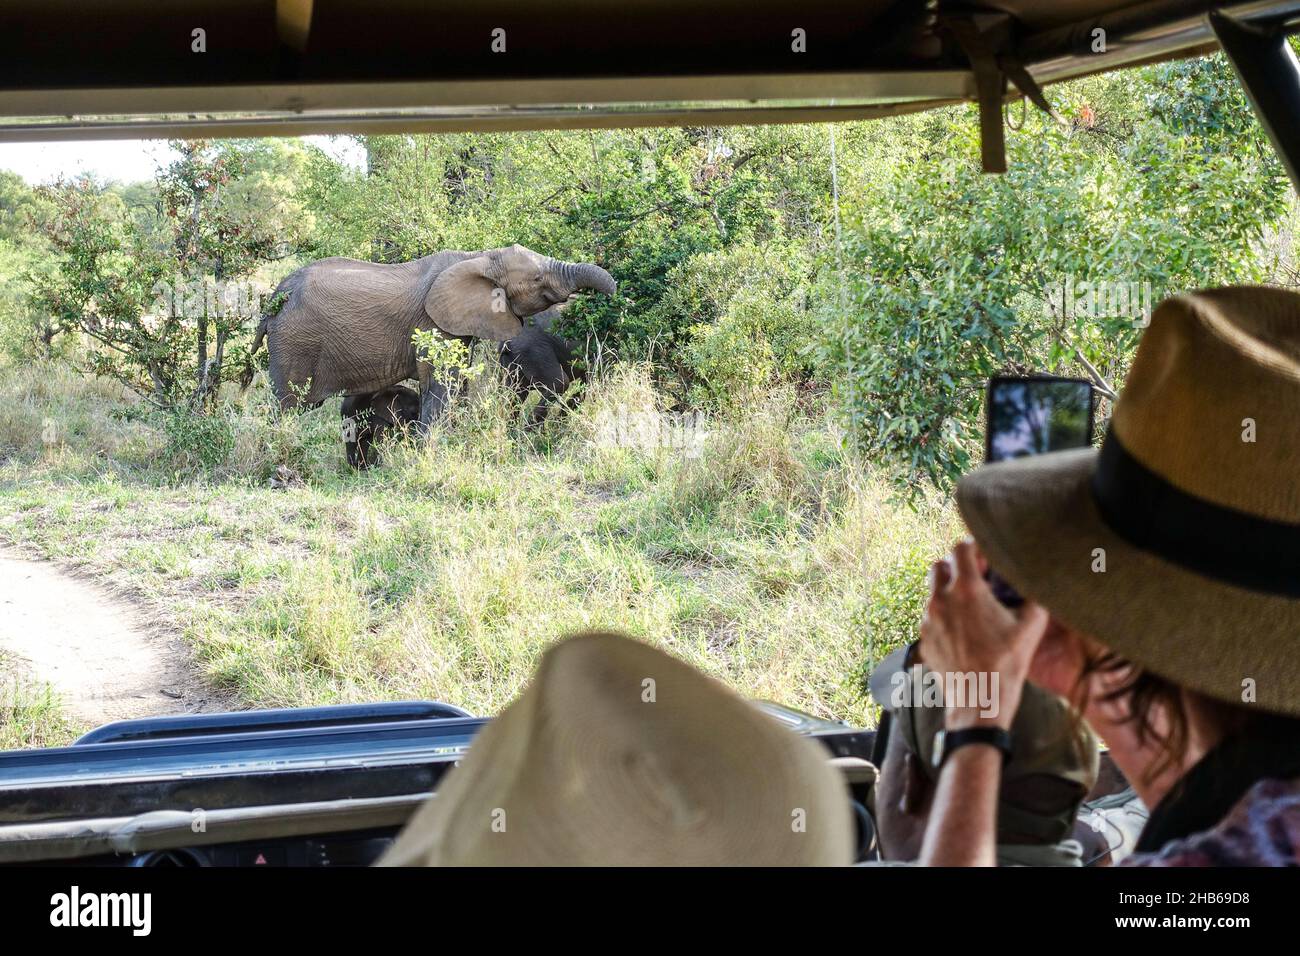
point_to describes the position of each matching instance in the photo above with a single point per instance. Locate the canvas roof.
(287, 67)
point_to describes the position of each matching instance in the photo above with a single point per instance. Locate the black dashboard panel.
(262, 787)
(249, 766)
(331, 850)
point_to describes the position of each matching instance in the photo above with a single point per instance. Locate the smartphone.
(1032, 415)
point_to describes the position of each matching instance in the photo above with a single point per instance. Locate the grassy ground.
(750, 547)
(31, 714)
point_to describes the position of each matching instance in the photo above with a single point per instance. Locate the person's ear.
(916, 786)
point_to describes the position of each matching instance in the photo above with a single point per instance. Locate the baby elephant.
(367, 417)
(537, 359)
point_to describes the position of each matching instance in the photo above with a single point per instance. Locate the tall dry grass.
(750, 544)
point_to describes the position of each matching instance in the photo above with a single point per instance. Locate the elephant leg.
(434, 399)
(457, 386)
(393, 408)
(352, 448)
(292, 403)
(539, 361)
(542, 408)
(369, 454)
(435, 396)
(357, 427)
(361, 457)
(425, 418)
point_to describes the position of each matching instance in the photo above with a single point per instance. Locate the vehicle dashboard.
(310, 787)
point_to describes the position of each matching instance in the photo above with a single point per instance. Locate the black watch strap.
(947, 742)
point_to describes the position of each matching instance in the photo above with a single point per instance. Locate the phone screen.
(1031, 416)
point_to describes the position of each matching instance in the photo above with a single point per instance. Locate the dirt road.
(93, 647)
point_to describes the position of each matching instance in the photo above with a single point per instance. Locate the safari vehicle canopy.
(292, 67)
(139, 68)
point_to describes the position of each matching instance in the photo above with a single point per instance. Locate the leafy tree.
(24, 328)
(161, 313)
(735, 321)
(951, 276)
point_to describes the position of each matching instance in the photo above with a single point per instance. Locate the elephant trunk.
(584, 275)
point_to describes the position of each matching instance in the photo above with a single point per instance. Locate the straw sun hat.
(1178, 543)
(618, 755)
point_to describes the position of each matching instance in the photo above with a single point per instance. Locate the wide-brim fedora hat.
(1177, 544)
(617, 754)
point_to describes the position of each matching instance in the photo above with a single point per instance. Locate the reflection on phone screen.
(1032, 416)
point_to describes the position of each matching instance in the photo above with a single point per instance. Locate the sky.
(122, 160)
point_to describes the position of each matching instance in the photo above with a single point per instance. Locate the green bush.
(733, 322)
(891, 613)
(308, 444)
(197, 442)
(755, 344)
(950, 276)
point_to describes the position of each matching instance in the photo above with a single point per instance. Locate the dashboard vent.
(169, 858)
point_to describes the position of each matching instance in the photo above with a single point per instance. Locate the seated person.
(1163, 594)
(616, 754)
(1051, 770)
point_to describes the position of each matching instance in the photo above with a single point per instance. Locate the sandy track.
(93, 647)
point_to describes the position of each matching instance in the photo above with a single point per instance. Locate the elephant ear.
(464, 300)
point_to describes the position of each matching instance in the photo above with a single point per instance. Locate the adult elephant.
(344, 326)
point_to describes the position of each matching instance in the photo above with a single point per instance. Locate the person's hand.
(967, 630)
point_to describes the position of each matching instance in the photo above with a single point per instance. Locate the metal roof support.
(991, 85)
(973, 35)
(1269, 73)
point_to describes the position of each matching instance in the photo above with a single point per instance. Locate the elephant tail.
(250, 367)
(259, 335)
(283, 292)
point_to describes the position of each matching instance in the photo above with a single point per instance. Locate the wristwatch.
(947, 741)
